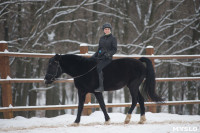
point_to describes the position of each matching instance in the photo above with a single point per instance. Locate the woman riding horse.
(107, 48)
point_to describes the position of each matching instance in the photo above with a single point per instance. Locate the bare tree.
(60, 26)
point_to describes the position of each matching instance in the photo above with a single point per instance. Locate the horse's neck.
(74, 65)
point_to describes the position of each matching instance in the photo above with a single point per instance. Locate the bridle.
(59, 67)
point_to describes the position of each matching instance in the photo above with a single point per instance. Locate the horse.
(119, 73)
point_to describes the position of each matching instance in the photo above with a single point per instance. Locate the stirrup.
(100, 89)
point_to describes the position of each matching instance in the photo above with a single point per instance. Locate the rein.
(58, 66)
(84, 73)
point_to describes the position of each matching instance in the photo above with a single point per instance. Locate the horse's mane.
(80, 59)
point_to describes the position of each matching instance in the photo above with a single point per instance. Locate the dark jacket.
(107, 47)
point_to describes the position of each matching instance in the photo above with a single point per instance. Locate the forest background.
(172, 27)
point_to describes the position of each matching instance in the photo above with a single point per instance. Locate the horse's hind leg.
(134, 93)
(99, 97)
(142, 108)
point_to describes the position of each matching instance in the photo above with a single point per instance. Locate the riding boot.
(101, 87)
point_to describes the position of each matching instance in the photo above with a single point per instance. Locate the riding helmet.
(107, 25)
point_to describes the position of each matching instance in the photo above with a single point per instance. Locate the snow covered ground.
(156, 123)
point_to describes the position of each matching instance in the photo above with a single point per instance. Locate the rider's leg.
(100, 66)
(101, 87)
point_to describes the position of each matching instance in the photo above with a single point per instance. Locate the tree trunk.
(94, 26)
(170, 89)
(125, 51)
(110, 100)
(170, 69)
(32, 93)
(32, 102)
(160, 86)
(182, 98)
(127, 99)
(192, 86)
(26, 88)
(63, 98)
(199, 99)
(52, 98)
(18, 87)
(191, 95)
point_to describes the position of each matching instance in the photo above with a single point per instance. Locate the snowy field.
(156, 123)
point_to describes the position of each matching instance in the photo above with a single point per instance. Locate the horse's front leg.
(99, 97)
(81, 96)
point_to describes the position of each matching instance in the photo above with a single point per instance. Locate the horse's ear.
(57, 57)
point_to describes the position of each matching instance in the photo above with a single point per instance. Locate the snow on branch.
(105, 13)
(197, 43)
(66, 40)
(176, 44)
(113, 9)
(41, 89)
(177, 33)
(61, 13)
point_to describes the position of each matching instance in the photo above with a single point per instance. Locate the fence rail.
(22, 80)
(86, 106)
(43, 55)
(7, 91)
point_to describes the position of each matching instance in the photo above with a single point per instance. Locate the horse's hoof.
(75, 124)
(142, 119)
(107, 122)
(128, 118)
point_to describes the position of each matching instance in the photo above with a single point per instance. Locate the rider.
(107, 48)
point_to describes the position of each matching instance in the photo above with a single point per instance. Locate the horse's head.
(54, 69)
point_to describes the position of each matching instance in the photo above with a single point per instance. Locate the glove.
(101, 52)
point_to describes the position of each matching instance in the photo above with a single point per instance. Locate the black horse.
(119, 73)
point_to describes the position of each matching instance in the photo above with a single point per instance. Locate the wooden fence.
(7, 82)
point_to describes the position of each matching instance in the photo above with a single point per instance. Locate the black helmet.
(107, 25)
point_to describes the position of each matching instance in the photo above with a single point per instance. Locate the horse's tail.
(150, 82)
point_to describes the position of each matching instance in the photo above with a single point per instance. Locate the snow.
(8, 78)
(6, 51)
(3, 42)
(51, 36)
(156, 123)
(149, 46)
(83, 44)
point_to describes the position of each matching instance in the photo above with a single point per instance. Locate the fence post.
(6, 93)
(150, 51)
(83, 50)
